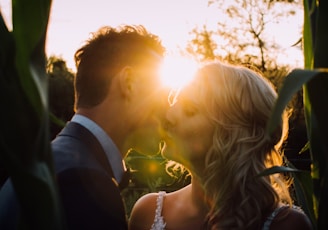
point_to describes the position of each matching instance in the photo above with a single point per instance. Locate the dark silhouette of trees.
(61, 98)
(61, 92)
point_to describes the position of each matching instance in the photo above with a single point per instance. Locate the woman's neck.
(198, 195)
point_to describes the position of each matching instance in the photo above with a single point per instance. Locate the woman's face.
(189, 131)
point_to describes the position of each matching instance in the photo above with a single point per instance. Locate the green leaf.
(278, 169)
(317, 113)
(6, 38)
(304, 193)
(305, 148)
(41, 209)
(307, 34)
(321, 36)
(322, 219)
(24, 134)
(57, 120)
(30, 20)
(293, 83)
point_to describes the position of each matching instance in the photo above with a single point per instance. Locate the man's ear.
(125, 78)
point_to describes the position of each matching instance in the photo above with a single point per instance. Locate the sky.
(72, 21)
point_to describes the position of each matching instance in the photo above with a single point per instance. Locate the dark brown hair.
(105, 54)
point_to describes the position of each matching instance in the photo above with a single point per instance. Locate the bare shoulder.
(143, 212)
(292, 219)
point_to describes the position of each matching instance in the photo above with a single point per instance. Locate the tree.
(202, 44)
(243, 32)
(61, 93)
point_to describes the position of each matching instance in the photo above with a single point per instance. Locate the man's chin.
(144, 141)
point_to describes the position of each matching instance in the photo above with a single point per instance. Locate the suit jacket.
(90, 195)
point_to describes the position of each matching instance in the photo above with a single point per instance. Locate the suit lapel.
(78, 131)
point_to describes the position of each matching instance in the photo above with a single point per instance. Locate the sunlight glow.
(153, 168)
(177, 71)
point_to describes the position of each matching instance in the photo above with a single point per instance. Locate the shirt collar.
(113, 154)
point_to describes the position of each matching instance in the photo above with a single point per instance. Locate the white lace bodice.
(267, 223)
(159, 223)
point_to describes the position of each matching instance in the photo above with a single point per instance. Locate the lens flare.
(177, 71)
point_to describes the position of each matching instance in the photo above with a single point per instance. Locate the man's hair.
(105, 54)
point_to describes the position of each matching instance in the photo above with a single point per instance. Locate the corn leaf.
(24, 137)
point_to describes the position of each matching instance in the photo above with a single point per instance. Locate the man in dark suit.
(117, 98)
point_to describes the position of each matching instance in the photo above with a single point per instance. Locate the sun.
(177, 71)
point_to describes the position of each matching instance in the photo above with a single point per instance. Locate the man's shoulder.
(69, 151)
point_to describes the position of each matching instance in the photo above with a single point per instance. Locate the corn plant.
(311, 188)
(24, 134)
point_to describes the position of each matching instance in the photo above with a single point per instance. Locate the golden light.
(177, 71)
(153, 168)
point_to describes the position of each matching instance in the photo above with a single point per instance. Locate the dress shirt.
(113, 154)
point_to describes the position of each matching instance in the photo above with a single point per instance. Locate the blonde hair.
(239, 102)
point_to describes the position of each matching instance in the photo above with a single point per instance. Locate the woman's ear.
(125, 80)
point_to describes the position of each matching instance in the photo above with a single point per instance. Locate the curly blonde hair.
(239, 102)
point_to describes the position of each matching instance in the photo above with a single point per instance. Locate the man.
(117, 97)
(117, 94)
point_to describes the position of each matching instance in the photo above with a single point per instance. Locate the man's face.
(146, 109)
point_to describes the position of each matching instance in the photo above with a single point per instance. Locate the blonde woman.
(217, 130)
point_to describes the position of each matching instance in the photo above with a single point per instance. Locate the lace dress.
(270, 218)
(159, 223)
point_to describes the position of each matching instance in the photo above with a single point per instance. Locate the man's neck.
(110, 124)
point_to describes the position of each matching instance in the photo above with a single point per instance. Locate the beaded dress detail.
(159, 223)
(270, 218)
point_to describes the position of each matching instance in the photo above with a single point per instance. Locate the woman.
(217, 130)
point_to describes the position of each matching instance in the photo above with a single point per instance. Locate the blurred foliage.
(311, 188)
(243, 33)
(150, 173)
(202, 45)
(24, 135)
(23, 76)
(61, 93)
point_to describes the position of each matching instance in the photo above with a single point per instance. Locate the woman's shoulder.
(291, 218)
(147, 199)
(145, 204)
(143, 211)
